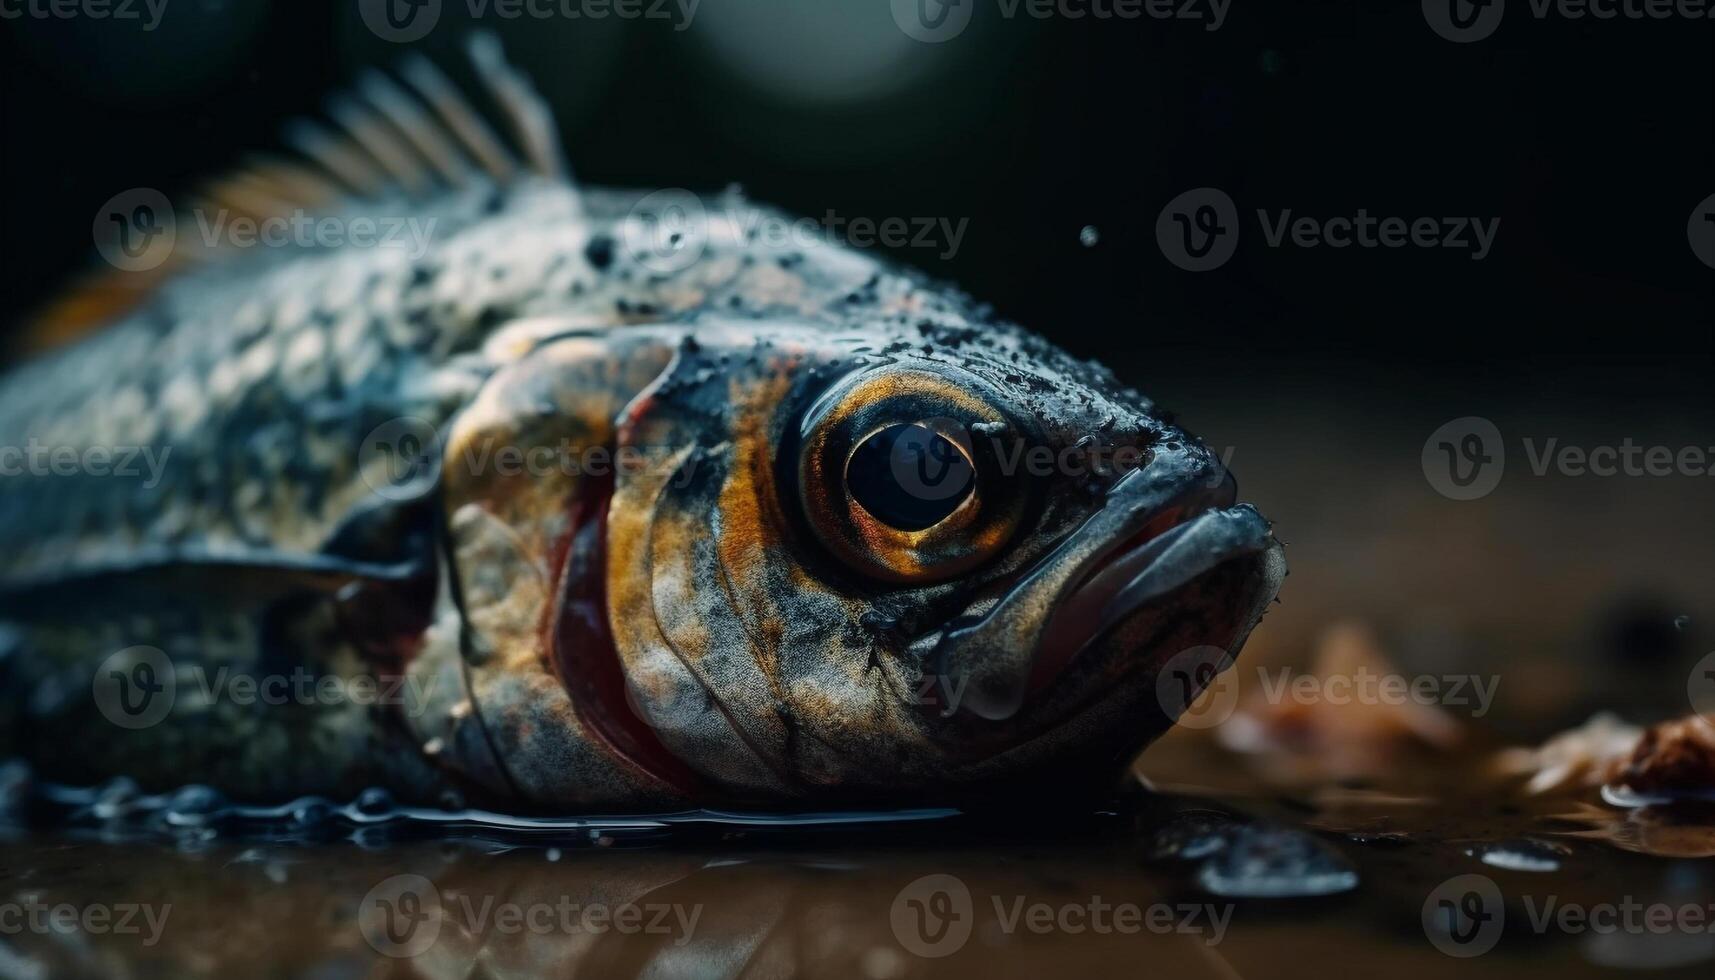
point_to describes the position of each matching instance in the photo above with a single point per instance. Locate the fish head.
(916, 562)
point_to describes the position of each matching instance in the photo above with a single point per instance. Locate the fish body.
(575, 509)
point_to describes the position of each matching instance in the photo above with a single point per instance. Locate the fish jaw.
(1064, 676)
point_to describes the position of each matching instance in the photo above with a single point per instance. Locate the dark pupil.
(909, 477)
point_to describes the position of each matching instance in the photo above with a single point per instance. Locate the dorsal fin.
(395, 140)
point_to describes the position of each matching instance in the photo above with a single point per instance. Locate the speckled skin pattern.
(683, 629)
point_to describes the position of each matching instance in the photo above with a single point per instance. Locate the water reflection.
(958, 897)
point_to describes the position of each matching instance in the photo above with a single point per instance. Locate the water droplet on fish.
(374, 802)
(1089, 236)
(310, 814)
(553, 854)
(1274, 862)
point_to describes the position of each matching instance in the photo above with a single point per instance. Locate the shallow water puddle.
(1241, 879)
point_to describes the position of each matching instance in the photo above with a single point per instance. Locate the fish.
(601, 500)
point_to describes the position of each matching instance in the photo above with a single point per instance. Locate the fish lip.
(1004, 658)
(1139, 570)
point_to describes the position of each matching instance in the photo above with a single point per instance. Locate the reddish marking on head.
(584, 654)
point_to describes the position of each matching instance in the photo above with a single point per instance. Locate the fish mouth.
(1163, 529)
(1173, 550)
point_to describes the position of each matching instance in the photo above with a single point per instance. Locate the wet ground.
(1200, 869)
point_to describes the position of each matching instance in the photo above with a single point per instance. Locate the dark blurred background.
(1324, 370)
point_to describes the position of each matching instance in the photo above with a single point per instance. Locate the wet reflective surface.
(1435, 869)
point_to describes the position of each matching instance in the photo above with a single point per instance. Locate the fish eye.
(900, 475)
(909, 476)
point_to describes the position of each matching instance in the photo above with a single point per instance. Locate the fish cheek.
(851, 701)
(510, 474)
(689, 668)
